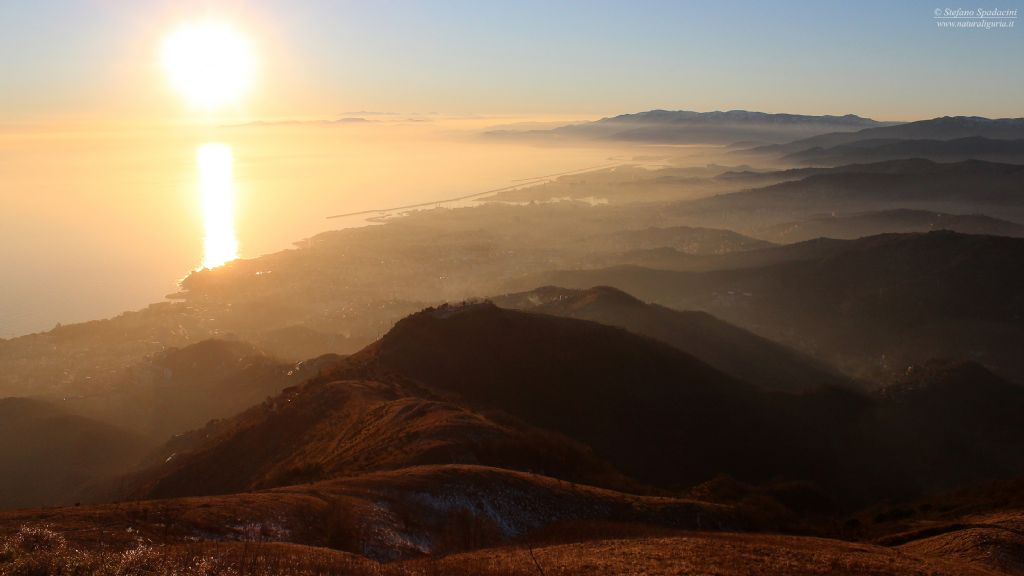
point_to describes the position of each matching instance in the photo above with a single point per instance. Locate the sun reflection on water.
(217, 194)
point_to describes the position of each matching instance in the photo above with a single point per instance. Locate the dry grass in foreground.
(41, 552)
(35, 551)
(718, 554)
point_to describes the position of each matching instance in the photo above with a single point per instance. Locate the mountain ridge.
(728, 348)
(715, 127)
(941, 128)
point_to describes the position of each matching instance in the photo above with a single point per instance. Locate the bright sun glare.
(217, 193)
(210, 63)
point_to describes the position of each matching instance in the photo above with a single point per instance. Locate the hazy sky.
(98, 58)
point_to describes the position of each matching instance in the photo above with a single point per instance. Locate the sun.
(209, 62)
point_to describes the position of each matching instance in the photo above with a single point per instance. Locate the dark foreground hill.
(661, 554)
(591, 382)
(435, 388)
(387, 515)
(476, 520)
(654, 412)
(329, 429)
(581, 400)
(969, 415)
(728, 348)
(376, 433)
(49, 456)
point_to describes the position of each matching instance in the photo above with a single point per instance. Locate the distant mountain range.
(874, 150)
(687, 127)
(853, 226)
(811, 140)
(866, 305)
(687, 239)
(963, 128)
(972, 186)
